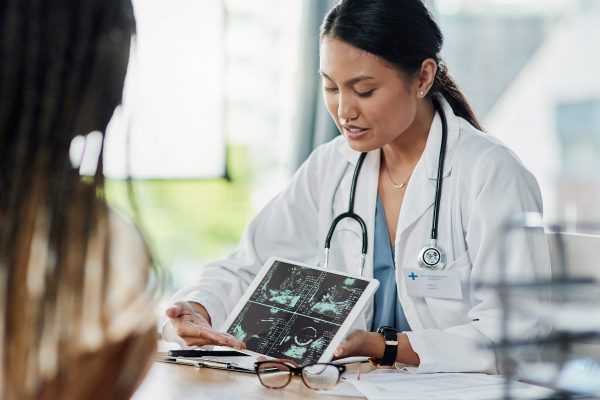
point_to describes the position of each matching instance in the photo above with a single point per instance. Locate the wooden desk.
(171, 381)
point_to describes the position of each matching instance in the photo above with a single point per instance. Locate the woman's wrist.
(200, 309)
(376, 345)
(405, 355)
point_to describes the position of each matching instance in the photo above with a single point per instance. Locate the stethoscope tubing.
(352, 215)
(436, 205)
(440, 173)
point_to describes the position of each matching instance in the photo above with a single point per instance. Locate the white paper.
(343, 389)
(394, 384)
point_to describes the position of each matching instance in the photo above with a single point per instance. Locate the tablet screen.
(295, 311)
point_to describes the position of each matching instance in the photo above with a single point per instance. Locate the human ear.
(426, 77)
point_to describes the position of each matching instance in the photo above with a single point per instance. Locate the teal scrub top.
(388, 310)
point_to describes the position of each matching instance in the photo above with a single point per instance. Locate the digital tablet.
(299, 312)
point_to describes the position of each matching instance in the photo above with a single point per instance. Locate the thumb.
(339, 352)
(174, 310)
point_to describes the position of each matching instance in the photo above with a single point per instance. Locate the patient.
(76, 320)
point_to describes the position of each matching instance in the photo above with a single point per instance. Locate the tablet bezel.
(359, 306)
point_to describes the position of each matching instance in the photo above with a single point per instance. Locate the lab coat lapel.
(418, 198)
(420, 192)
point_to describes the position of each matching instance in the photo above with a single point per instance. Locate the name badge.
(440, 284)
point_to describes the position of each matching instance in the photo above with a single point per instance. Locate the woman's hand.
(371, 344)
(361, 343)
(192, 323)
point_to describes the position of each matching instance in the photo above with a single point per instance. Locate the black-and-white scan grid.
(296, 311)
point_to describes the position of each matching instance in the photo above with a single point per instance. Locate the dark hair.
(63, 65)
(401, 32)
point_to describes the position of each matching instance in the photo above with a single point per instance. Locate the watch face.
(389, 333)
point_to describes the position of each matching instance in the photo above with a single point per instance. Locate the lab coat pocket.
(451, 312)
(462, 265)
(463, 260)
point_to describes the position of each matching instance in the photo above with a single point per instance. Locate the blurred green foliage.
(191, 220)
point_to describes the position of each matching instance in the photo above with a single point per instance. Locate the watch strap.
(390, 337)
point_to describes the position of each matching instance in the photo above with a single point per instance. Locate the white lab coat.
(484, 184)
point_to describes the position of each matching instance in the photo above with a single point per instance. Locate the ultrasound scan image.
(334, 298)
(258, 326)
(305, 340)
(296, 311)
(285, 285)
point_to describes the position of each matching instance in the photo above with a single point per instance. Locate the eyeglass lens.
(321, 376)
(276, 375)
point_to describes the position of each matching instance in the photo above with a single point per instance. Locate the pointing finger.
(236, 344)
(226, 339)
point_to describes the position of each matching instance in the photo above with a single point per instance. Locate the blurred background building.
(222, 103)
(550, 115)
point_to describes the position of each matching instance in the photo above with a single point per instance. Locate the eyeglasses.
(278, 374)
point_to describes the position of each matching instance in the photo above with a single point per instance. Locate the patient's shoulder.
(128, 302)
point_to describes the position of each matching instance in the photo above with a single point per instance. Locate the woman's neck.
(408, 147)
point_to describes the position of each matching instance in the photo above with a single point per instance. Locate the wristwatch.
(390, 336)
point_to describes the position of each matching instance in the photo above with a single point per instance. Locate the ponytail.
(446, 86)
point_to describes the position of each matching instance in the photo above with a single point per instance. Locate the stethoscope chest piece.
(432, 257)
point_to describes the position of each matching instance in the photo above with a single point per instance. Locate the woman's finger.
(212, 338)
(208, 336)
(189, 329)
(229, 335)
(339, 352)
(236, 344)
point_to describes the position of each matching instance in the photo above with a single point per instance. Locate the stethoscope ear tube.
(352, 215)
(363, 258)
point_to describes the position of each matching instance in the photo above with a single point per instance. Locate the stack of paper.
(395, 384)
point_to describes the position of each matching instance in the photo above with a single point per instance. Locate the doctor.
(388, 91)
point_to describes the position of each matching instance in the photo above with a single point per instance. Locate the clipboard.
(220, 352)
(228, 363)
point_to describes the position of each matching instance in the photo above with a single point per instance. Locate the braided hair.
(62, 70)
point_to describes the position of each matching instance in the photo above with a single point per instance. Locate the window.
(171, 121)
(578, 182)
(578, 126)
(214, 77)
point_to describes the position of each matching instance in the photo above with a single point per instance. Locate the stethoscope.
(431, 256)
